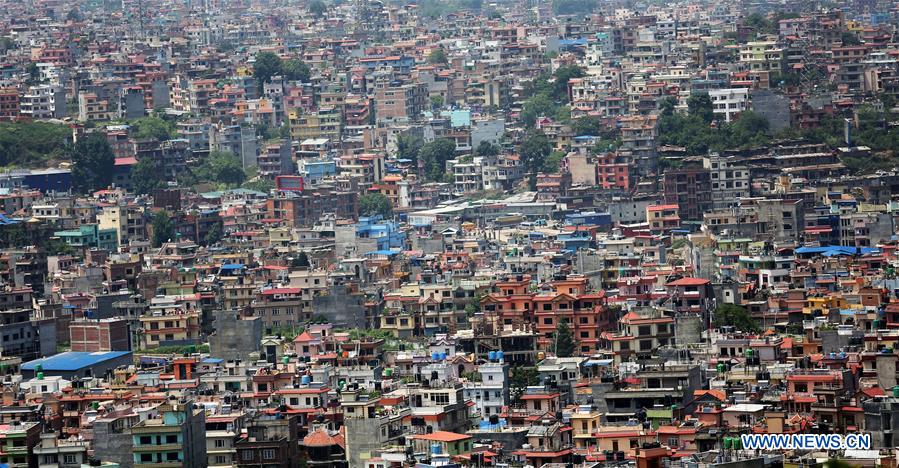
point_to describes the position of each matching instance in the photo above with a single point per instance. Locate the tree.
(667, 105)
(317, 8)
(565, 344)
(408, 147)
(34, 74)
(849, 39)
(375, 204)
(92, 163)
(221, 167)
(700, 105)
(735, 316)
(487, 149)
(267, 65)
(438, 56)
(436, 102)
(152, 128)
(434, 155)
(163, 229)
(562, 75)
(145, 177)
(300, 261)
(587, 126)
(520, 379)
(573, 7)
(295, 70)
(33, 144)
(553, 162)
(533, 151)
(536, 106)
(214, 235)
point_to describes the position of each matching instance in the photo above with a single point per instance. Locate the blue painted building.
(49, 180)
(387, 233)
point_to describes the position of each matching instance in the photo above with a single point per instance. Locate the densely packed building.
(365, 234)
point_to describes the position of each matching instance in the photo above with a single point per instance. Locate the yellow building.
(325, 123)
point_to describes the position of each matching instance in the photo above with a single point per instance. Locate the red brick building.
(113, 334)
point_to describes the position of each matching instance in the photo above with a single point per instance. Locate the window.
(146, 457)
(171, 439)
(219, 443)
(268, 454)
(171, 456)
(146, 440)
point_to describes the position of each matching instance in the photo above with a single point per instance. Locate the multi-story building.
(43, 102)
(729, 103)
(729, 181)
(175, 438)
(9, 104)
(272, 440)
(323, 123)
(92, 108)
(689, 188)
(400, 102)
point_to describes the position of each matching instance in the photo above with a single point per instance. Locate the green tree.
(221, 167)
(92, 163)
(667, 105)
(573, 7)
(849, 39)
(520, 379)
(34, 74)
(259, 185)
(587, 126)
(564, 340)
(562, 75)
(295, 70)
(553, 162)
(163, 229)
(533, 152)
(735, 316)
(438, 57)
(317, 8)
(375, 204)
(300, 261)
(533, 108)
(700, 105)
(33, 144)
(434, 155)
(408, 147)
(214, 235)
(267, 65)
(153, 128)
(436, 102)
(145, 177)
(487, 149)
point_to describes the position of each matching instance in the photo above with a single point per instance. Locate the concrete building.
(43, 102)
(235, 337)
(111, 334)
(174, 439)
(729, 179)
(272, 440)
(131, 103)
(729, 103)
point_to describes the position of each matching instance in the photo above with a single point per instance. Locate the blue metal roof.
(232, 266)
(831, 250)
(388, 253)
(73, 360)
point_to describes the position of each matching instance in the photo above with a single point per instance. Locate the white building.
(44, 102)
(491, 393)
(729, 102)
(730, 181)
